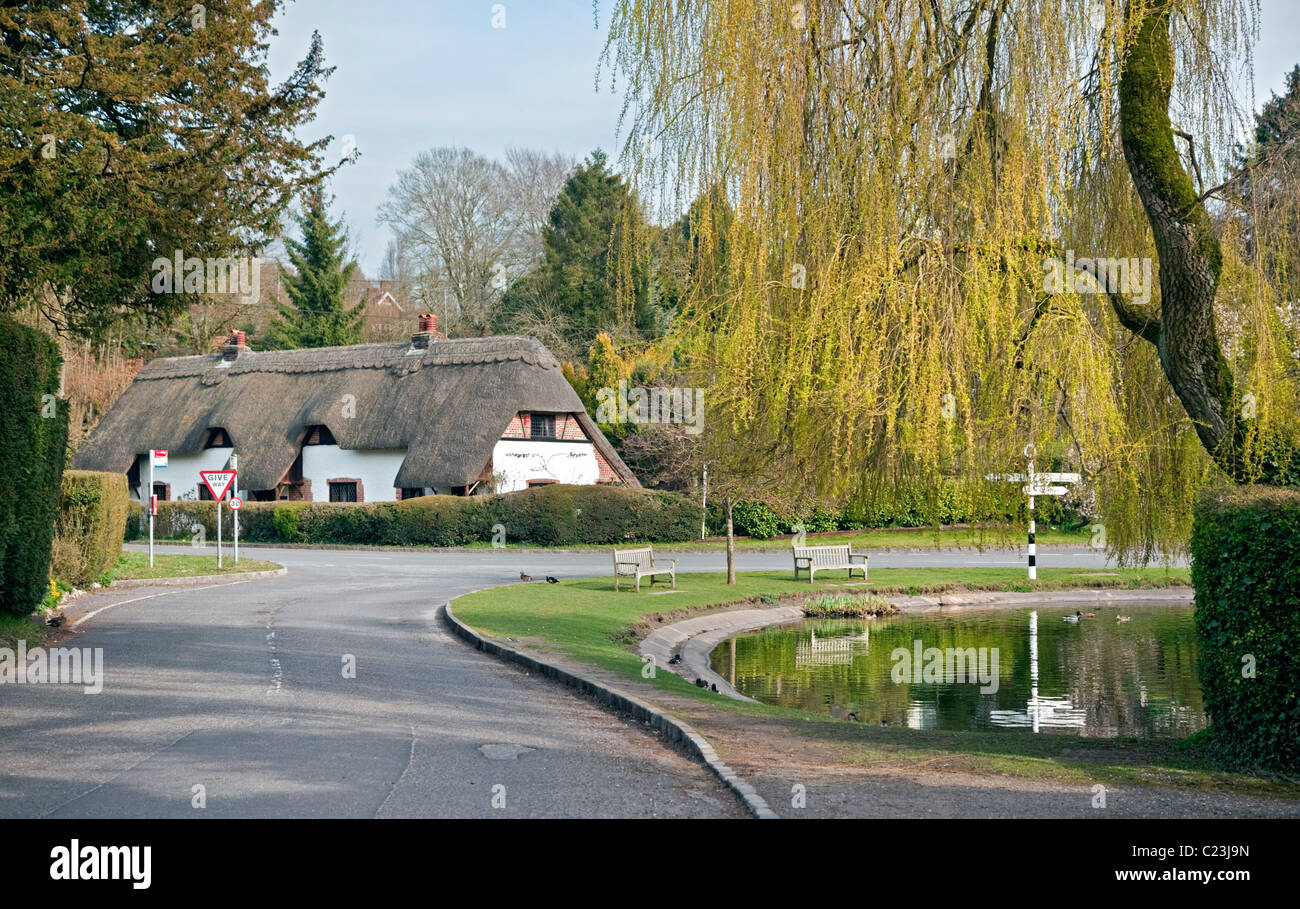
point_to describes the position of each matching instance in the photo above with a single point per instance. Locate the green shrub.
(285, 519)
(1246, 571)
(756, 520)
(91, 525)
(33, 448)
(552, 515)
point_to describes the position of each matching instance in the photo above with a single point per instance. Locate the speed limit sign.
(236, 503)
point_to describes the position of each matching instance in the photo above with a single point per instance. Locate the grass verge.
(132, 566)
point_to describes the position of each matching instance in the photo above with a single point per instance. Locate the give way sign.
(217, 481)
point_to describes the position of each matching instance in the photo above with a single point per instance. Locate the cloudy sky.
(415, 75)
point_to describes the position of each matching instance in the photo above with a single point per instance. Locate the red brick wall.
(606, 472)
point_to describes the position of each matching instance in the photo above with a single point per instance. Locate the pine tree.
(595, 270)
(318, 314)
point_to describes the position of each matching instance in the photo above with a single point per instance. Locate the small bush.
(1246, 571)
(91, 525)
(847, 606)
(756, 520)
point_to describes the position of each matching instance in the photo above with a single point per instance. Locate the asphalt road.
(236, 696)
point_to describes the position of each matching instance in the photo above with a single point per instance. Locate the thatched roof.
(446, 406)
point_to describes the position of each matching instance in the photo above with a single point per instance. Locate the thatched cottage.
(366, 423)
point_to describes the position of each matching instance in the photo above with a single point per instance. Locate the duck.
(525, 577)
(677, 658)
(1123, 618)
(1074, 619)
(551, 580)
(853, 717)
(1090, 615)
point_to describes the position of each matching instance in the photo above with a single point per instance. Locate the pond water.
(987, 669)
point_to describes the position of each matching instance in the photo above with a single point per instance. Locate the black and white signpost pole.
(1036, 484)
(1030, 451)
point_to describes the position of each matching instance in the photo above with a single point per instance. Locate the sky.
(488, 75)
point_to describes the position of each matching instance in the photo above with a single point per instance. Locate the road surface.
(232, 701)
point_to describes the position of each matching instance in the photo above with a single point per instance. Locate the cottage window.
(161, 490)
(218, 438)
(343, 492)
(532, 483)
(542, 426)
(412, 492)
(204, 495)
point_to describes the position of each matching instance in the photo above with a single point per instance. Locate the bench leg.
(638, 584)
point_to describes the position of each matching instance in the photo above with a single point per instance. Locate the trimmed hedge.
(904, 508)
(91, 525)
(33, 447)
(552, 515)
(1246, 570)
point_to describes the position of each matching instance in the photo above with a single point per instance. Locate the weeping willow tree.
(955, 227)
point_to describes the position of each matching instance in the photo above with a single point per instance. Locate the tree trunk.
(731, 545)
(1189, 253)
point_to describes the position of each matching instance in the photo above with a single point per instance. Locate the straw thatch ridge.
(447, 406)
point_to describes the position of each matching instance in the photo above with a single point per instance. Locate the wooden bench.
(813, 559)
(641, 563)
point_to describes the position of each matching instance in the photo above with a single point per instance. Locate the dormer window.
(541, 426)
(319, 435)
(218, 438)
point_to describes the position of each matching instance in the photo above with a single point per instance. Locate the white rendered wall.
(375, 469)
(516, 461)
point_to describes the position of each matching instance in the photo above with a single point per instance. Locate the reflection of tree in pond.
(1130, 679)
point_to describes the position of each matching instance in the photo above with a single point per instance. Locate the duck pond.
(1126, 671)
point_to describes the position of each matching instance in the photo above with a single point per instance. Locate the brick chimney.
(428, 329)
(234, 346)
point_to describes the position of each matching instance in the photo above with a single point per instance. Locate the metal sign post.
(235, 503)
(218, 483)
(157, 458)
(1036, 484)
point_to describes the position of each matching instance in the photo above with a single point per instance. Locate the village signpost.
(157, 458)
(1036, 484)
(218, 483)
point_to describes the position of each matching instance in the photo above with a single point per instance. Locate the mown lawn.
(132, 566)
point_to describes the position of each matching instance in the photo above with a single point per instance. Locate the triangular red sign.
(217, 481)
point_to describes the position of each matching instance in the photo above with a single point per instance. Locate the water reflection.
(1055, 712)
(1098, 678)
